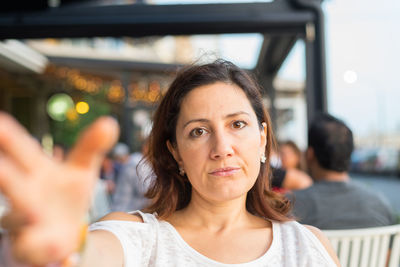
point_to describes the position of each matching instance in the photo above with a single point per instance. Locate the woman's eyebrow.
(226, 117)
(237, 113)
(195, 120)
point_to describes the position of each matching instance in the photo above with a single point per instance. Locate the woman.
(291, 155)
(290, 175)
(209, 148)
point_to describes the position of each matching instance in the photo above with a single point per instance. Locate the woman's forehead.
(215, 96)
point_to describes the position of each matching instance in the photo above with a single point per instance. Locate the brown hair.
(170, 191)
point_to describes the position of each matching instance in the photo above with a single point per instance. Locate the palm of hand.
(49, 199)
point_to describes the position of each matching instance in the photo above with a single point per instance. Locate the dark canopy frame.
(282, 22)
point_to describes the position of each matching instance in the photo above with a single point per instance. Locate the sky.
(363, 42)
(362, 51)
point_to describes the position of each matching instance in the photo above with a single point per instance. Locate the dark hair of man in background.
(332, 142)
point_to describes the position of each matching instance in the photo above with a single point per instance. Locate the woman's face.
(219, 142)
(289, 157)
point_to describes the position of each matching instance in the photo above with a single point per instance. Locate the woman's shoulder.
(308, 237)
(135, 232)
(122, 216)
(126, 225)
(324, 241)
(302, 232)
(135, 220)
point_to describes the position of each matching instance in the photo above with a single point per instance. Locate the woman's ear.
(263, 136)
(174, 151)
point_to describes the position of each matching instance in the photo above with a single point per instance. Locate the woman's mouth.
(227, 171)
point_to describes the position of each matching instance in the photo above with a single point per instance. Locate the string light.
(141, 91)
(116, 92)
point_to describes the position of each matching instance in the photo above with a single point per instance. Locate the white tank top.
(157, 243)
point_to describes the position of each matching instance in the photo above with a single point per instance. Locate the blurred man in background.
(334, 201)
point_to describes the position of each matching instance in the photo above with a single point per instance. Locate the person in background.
(285, 179)
(112, 165)
(209, 149)
(120, 156)
(291, 156)
(107, 173)
(334, 201)
(132, 183)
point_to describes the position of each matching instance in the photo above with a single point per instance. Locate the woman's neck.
(321, 174)
(216, 217)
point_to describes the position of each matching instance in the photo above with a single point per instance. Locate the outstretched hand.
(48, 198)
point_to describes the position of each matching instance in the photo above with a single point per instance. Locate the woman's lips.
(228, 171)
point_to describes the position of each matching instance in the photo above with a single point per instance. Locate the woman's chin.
(226, 195)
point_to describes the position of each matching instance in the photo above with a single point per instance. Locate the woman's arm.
(103, 248)
(325, 242)
(49, 199)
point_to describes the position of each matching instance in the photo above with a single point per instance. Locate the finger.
(94, 142)
(14, 221)
(13, 186)
(17, 143)
(11, 178)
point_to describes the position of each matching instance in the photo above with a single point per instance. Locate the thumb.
(94, 143)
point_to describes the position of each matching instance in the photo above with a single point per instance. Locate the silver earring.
(263, 159)
(181, 171)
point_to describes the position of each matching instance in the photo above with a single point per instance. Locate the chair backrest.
(367, 247)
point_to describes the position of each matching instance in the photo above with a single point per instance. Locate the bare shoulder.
(325, 242)
(121, 216)
(103, 248)
(296, 179)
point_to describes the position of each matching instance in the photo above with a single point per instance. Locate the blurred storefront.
(22, 90)
(118, 86)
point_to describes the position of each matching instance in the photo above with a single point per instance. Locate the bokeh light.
(82, 107)
(72, 115)
(58, 106)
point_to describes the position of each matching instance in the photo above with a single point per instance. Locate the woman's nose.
(222, 146)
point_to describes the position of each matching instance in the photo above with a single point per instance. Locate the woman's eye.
(239, 124)
(197, 132)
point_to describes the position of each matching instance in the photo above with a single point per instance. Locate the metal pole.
(316, 89)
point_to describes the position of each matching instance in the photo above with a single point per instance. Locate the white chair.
(367, 247)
